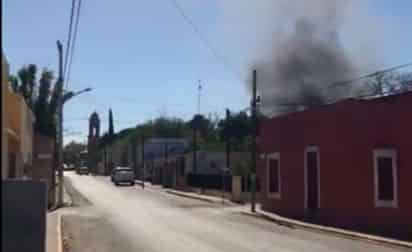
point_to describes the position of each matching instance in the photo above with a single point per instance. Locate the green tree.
(237, 127)
(14, 83)
(23, 76)
(27, 78)
(202, 124)
(71, 152)
(31, 80)
(44, 119)
(37, 95)
(55, 96)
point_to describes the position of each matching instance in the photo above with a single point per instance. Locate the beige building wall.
(17, 129)
(27, 134)
(4, 139)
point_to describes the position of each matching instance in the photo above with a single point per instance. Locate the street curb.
(190, 196)
(337, 231)
(59, 233)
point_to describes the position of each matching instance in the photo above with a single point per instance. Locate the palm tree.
(14, 83)
(31, 81)
(24, 82)
(44, 119)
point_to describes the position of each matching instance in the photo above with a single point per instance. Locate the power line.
(69, 37)
(76, 27)
(347, 82)
(330, 100)
(203, 38)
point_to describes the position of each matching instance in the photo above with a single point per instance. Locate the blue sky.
(142, 59)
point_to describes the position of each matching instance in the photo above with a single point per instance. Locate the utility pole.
(134, 143)
(59, 126)
(194, 147)
(227, 139)
(143, 161)
(198, 97)
(227, 154)
(165, 166)
(253, 156)
(105, 160)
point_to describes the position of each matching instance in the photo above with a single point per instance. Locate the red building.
(346, 164)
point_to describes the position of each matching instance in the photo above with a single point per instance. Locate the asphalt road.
(132, 219)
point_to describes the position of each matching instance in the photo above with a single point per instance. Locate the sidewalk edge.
(59, 233)
(189, 196)
(338, 231)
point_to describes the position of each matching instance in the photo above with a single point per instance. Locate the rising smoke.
(301, 52)
(300, 73)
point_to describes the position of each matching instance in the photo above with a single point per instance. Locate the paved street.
(132, 219)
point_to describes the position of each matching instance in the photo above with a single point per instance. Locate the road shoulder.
(295, 223)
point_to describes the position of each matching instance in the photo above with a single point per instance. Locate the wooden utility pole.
(227, 139)
(134, 159)
(227, 154)
(194, 146)
(165, 181)
(143, 160)
(59, 126)
(253, 156)
(106, 169)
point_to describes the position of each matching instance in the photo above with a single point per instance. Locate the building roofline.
(351, 100)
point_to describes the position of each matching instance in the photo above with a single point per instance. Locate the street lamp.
(70, 94)
(64, 98)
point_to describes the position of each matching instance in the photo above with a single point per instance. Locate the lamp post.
(64, 98)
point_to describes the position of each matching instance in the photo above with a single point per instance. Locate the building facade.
(4, 137)
(346, 164)
(93, 143)
(17, 130)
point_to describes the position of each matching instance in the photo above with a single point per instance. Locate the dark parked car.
(122, 175)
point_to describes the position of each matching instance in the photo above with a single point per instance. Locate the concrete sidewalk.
(245, 209)
(325, 229)
(54, 240)
(53, 232)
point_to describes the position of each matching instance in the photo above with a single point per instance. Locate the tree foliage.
(71, 151)
(238, 126)
(39, 94)
(386, 83)
(44, 119)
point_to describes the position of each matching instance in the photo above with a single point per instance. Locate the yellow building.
(17, 130)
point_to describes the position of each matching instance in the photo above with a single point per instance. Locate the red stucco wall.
(346, 134)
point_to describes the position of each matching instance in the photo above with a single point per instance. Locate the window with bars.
(385, 172)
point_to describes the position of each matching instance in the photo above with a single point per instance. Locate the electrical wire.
(203, 39)
(347, 82)
(76, 27)
(69, 37)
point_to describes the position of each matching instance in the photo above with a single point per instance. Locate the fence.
(217, 182)
(210, 181)
(247, 184)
